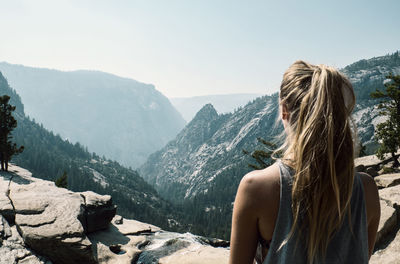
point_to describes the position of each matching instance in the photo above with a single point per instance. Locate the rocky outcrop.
(13, 248)
(40, 223)
(136, 242)
(54, 222)
(387, 180)
(387, 246)
(388, 237)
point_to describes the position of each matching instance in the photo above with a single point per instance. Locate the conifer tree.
(388, 133)
(261, 156)
(62, 181)
(7, 124)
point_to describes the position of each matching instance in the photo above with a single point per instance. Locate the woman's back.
(347, 246)
(316, 102)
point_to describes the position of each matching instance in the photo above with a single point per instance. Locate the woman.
(310, 206)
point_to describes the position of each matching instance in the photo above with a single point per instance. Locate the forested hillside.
(47, 156)
(120, 118)
(201, 168)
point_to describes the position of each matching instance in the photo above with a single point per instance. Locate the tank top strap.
(349, 244)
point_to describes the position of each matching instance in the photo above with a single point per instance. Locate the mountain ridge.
(117, 117)
(223, 103)
(48, 156)
(204, 177)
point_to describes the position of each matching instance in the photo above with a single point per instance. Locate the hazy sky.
(188, 47)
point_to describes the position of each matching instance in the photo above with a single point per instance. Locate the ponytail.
(319, 146)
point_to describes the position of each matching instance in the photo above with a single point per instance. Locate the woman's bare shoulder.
(262, 184)
(370, 188)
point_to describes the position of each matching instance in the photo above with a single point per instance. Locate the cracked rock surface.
(132, 241)
(51, 221)
(40, 223)
(387, 246)
(13, 249)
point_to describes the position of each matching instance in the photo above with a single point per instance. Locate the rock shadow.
(110, 237)
(14, 177)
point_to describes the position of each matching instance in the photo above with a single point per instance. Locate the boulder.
(388, 255)
(99, 211)
(391, 195)
(195, 254)
(387, 180)
(387, 223)
(372, 164)
(388, 237)
(373, 171)
(112, 246)
(136, 242)
(367, 161)
(54, 221)
(118, 220)
(133, 227)
(359, 168)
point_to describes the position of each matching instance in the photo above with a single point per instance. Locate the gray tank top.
(345, 247)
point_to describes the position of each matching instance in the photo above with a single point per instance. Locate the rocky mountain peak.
(206, 113)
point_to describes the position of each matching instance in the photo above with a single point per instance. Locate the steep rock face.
(120, 118)
(192, 158)
(207, 146)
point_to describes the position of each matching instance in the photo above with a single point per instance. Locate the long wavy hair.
(319, 146)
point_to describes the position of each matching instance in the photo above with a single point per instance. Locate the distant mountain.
(223, 103)
(367, 76)
(120, 118)
(209, 145)
(47, 156)
(202, 167)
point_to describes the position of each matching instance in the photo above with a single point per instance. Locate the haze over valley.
(161, 108)
(194, 168)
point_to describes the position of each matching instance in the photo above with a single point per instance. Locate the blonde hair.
(319, 146)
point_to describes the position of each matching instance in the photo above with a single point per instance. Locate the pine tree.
(7, 124)
(388, 132)
(261, 156)
(62, 181)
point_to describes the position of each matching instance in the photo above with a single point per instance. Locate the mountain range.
(191, 182)
(120, 118)
(202, 166)
(48, 156)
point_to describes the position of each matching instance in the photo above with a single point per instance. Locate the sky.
(192, 48)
